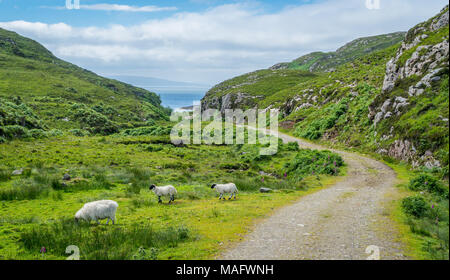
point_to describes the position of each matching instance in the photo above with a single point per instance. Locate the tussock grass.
(101, 242)
(5, 175)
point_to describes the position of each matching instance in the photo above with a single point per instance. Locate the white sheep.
(225, 188)
(169, 191)
(98, 210)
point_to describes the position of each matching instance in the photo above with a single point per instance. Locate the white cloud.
(117, 8)
(126, 8)
(224, 41)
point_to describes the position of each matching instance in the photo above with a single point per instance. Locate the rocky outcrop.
(230, 101)
(402, 150)
(425, 59)
(420, 60)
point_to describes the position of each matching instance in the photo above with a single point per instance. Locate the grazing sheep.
(225, 188)
(98, 210)
(169, 191)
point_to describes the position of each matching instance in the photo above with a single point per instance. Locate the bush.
(425, 182)
(150, 131)
(18, 113)
(313, 162)
(14, 132)
(317, 127)
(415, 206)
(5, 175)
(37, 133)
(79, 132)
(54, 133)
(95, 121)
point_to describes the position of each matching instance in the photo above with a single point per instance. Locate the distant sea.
(179, 100)
(173, 94)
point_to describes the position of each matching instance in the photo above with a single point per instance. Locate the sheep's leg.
(159, 199)
(107, 221)
(234, 195)
(220, 196)
(231, 196)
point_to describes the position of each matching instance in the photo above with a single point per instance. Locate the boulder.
(18, 172)
(265, 190)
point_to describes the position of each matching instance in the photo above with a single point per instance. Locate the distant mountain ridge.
(326, 62)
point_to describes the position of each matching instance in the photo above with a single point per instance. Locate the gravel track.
(336, 223)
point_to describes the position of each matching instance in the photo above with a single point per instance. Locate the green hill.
(387, 97)
(40, 92)
(326, 62)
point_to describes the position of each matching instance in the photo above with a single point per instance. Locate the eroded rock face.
(428, 63)
(229, 101)
(402, 150)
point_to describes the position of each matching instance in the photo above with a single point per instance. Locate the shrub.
(317, 127)
(14, 132)
(5, 175)
(425, 182)
(415, 206)
(79, 132)
(37, 133)
(54, 133)
(313, 162)
(150, 130)
(96, 122)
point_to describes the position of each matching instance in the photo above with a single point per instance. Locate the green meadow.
(37, 207)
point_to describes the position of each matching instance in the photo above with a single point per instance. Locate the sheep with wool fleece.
(169, 191)
(98, 210)
(225, 188)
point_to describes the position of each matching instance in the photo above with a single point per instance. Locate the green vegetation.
(37, 207)
(60, 95)
(337, 106)
(96, 243)
(428, 215)
(358, 48)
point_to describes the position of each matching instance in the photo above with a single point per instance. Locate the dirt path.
(339, 222)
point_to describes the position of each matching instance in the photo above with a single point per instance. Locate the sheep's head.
(213, 186)
(152, 187)
(77, 216)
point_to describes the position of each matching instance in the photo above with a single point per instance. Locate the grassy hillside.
(391, 102)
(40, 91)
(346, 104)
(326, 62)
(285, 84)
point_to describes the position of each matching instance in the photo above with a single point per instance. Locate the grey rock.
(66, 177)
(18, 172)
(435, 79)
(265, 190)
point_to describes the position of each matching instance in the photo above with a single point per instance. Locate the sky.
(202, 41)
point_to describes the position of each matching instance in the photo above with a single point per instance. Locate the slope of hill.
(276, 85)
(37, 87)
(327, 62)
(393, 101)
